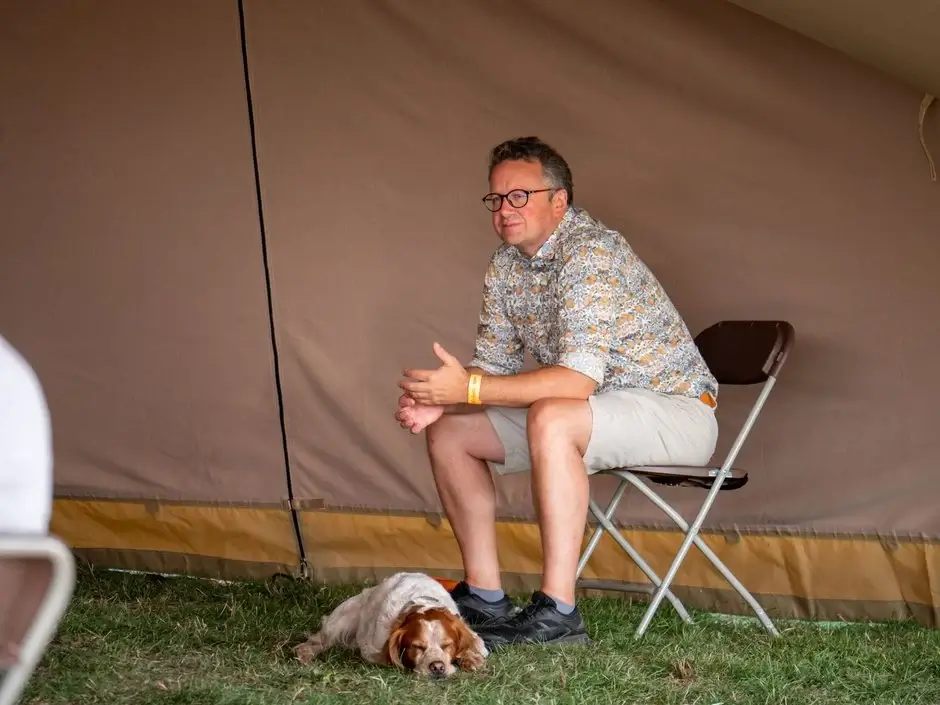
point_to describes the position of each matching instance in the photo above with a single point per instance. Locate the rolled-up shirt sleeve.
(588, 291)
(498, 349)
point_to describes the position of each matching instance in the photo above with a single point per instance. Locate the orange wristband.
(473, 389)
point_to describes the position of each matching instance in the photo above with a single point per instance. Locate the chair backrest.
(746, 352)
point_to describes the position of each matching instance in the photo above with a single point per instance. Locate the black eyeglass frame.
(505, 196)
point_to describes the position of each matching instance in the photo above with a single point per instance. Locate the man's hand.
(444, 386)
(416, 417)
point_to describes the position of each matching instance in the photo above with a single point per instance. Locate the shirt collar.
(546, 253)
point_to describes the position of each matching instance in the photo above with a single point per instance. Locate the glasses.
(517, 198)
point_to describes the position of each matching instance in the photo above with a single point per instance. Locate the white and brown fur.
(408, 621)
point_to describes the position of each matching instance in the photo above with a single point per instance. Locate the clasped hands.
(427, 392)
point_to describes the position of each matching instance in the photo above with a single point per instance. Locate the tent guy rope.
(924, 107)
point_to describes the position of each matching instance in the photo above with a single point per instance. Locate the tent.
(227, 228)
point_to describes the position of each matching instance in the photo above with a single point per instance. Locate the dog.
(407, 621)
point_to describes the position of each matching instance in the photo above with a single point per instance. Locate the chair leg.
(692, 537)
(599, 531)
(605, 521)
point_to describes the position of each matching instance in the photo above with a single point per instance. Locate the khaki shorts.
(630, 427)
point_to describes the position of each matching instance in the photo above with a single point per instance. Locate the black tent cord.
(267, 280)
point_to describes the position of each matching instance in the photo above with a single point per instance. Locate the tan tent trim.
(231, 533)
(828, 578)
(185, 564)
(153, 504)
(731, 532)
(820, 568)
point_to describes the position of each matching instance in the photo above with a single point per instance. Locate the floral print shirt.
(586, 301)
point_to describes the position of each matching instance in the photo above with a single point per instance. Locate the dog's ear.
(394, 647)
(471, 651)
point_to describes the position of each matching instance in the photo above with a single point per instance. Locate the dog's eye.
(447, 644)
(419, 647)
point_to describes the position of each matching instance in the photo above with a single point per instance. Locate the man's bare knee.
(550, 421)
(465, 434)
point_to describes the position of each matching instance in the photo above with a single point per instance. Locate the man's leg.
(459, 447)
(558, 432)
(567, 441)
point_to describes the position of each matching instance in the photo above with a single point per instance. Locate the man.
(620, 382)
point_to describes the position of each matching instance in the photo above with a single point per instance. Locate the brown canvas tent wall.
(760, 174)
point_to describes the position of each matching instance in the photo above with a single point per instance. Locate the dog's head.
(434, 643)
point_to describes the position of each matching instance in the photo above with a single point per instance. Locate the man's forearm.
(525, 388)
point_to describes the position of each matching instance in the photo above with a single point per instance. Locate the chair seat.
(690, 475)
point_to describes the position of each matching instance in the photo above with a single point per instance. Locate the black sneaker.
(539, 622)
(476, 611)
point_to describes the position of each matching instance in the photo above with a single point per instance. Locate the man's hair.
(531, 149)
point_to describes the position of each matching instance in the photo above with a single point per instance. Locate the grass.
(140, 639)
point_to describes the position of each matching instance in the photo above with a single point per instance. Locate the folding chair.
(37, 578)
(737, 353)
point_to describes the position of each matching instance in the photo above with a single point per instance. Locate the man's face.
(529, 226)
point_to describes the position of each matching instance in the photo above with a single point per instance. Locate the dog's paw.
(307, 651)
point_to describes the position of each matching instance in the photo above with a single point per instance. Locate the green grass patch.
(140, 639)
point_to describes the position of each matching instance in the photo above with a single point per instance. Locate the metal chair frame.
(737, 353)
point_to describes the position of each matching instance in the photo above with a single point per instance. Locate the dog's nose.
(436, 668)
